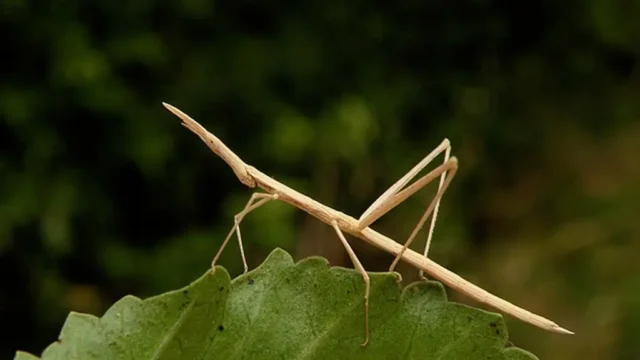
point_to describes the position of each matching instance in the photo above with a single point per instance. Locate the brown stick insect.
(343, 223)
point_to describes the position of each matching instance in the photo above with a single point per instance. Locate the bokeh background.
(103, 193)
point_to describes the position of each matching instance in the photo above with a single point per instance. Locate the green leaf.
(283, 310)
(21, 355)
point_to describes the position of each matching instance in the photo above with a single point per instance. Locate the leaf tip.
(22, 355)
(279, 255)
(433, 290)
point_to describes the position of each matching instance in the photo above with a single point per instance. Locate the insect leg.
(365, 276)
(256, 200)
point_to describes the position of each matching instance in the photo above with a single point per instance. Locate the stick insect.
(343, 223)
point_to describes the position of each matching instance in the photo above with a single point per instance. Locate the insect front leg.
(256, 200)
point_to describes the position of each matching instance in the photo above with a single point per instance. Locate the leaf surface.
(284, 310)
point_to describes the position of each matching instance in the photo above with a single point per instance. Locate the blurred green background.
(103, 193)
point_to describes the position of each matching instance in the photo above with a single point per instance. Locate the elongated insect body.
(359, 228)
